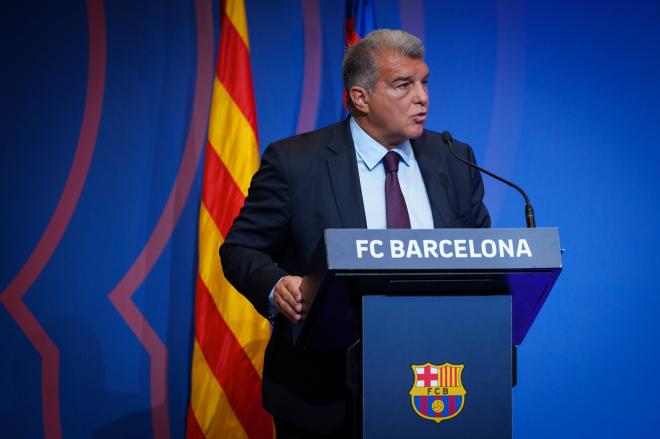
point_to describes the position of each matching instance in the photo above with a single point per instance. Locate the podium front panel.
(436, 366)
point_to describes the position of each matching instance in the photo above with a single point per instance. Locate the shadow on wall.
(83, 387)
(125, 427)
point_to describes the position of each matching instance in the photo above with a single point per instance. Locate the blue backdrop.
(101, 138)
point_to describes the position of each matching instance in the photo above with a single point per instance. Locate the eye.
(403, 85)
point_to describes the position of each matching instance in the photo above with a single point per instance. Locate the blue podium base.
(436, 366)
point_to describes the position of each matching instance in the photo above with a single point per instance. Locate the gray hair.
(359, 66)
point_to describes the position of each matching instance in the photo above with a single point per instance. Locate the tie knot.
(391, 161)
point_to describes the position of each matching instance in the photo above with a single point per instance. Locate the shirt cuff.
(272, 309)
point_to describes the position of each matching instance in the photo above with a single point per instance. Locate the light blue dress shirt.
(371, 170)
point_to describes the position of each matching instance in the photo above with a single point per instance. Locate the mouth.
(419, 117)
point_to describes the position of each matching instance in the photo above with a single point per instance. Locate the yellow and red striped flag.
(230, 336)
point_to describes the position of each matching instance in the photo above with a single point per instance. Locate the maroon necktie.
(395, 204)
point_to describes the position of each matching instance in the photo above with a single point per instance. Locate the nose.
(421, 94)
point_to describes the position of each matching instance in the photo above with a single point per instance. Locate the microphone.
(529, 210)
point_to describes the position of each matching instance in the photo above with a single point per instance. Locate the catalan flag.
(230, 336)
(359, 21)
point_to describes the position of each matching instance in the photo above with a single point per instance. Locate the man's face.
(400, 99)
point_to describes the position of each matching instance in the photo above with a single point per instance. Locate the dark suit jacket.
(305, 184)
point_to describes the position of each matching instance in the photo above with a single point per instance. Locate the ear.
(360, 97)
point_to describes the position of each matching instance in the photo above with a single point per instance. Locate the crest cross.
(427, 376)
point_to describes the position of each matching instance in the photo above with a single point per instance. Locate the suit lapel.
(342, 167)
(436, 182)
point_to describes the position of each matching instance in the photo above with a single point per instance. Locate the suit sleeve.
(258, 238)
(479, 216)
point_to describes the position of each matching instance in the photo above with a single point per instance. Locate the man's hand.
(288, 298)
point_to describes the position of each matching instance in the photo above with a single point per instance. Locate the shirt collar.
(371, 152)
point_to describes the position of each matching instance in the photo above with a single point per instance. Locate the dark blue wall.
(560, 96)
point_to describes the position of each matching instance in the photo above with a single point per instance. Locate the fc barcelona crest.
(437, 392)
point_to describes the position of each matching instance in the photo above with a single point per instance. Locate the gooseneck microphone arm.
(529, 210)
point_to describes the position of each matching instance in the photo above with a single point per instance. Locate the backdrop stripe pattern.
(230, 336)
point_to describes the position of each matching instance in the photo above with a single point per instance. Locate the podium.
(428, 319)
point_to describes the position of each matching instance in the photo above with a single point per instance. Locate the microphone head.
(446, 137)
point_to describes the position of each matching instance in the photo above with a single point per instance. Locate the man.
(377, 169)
